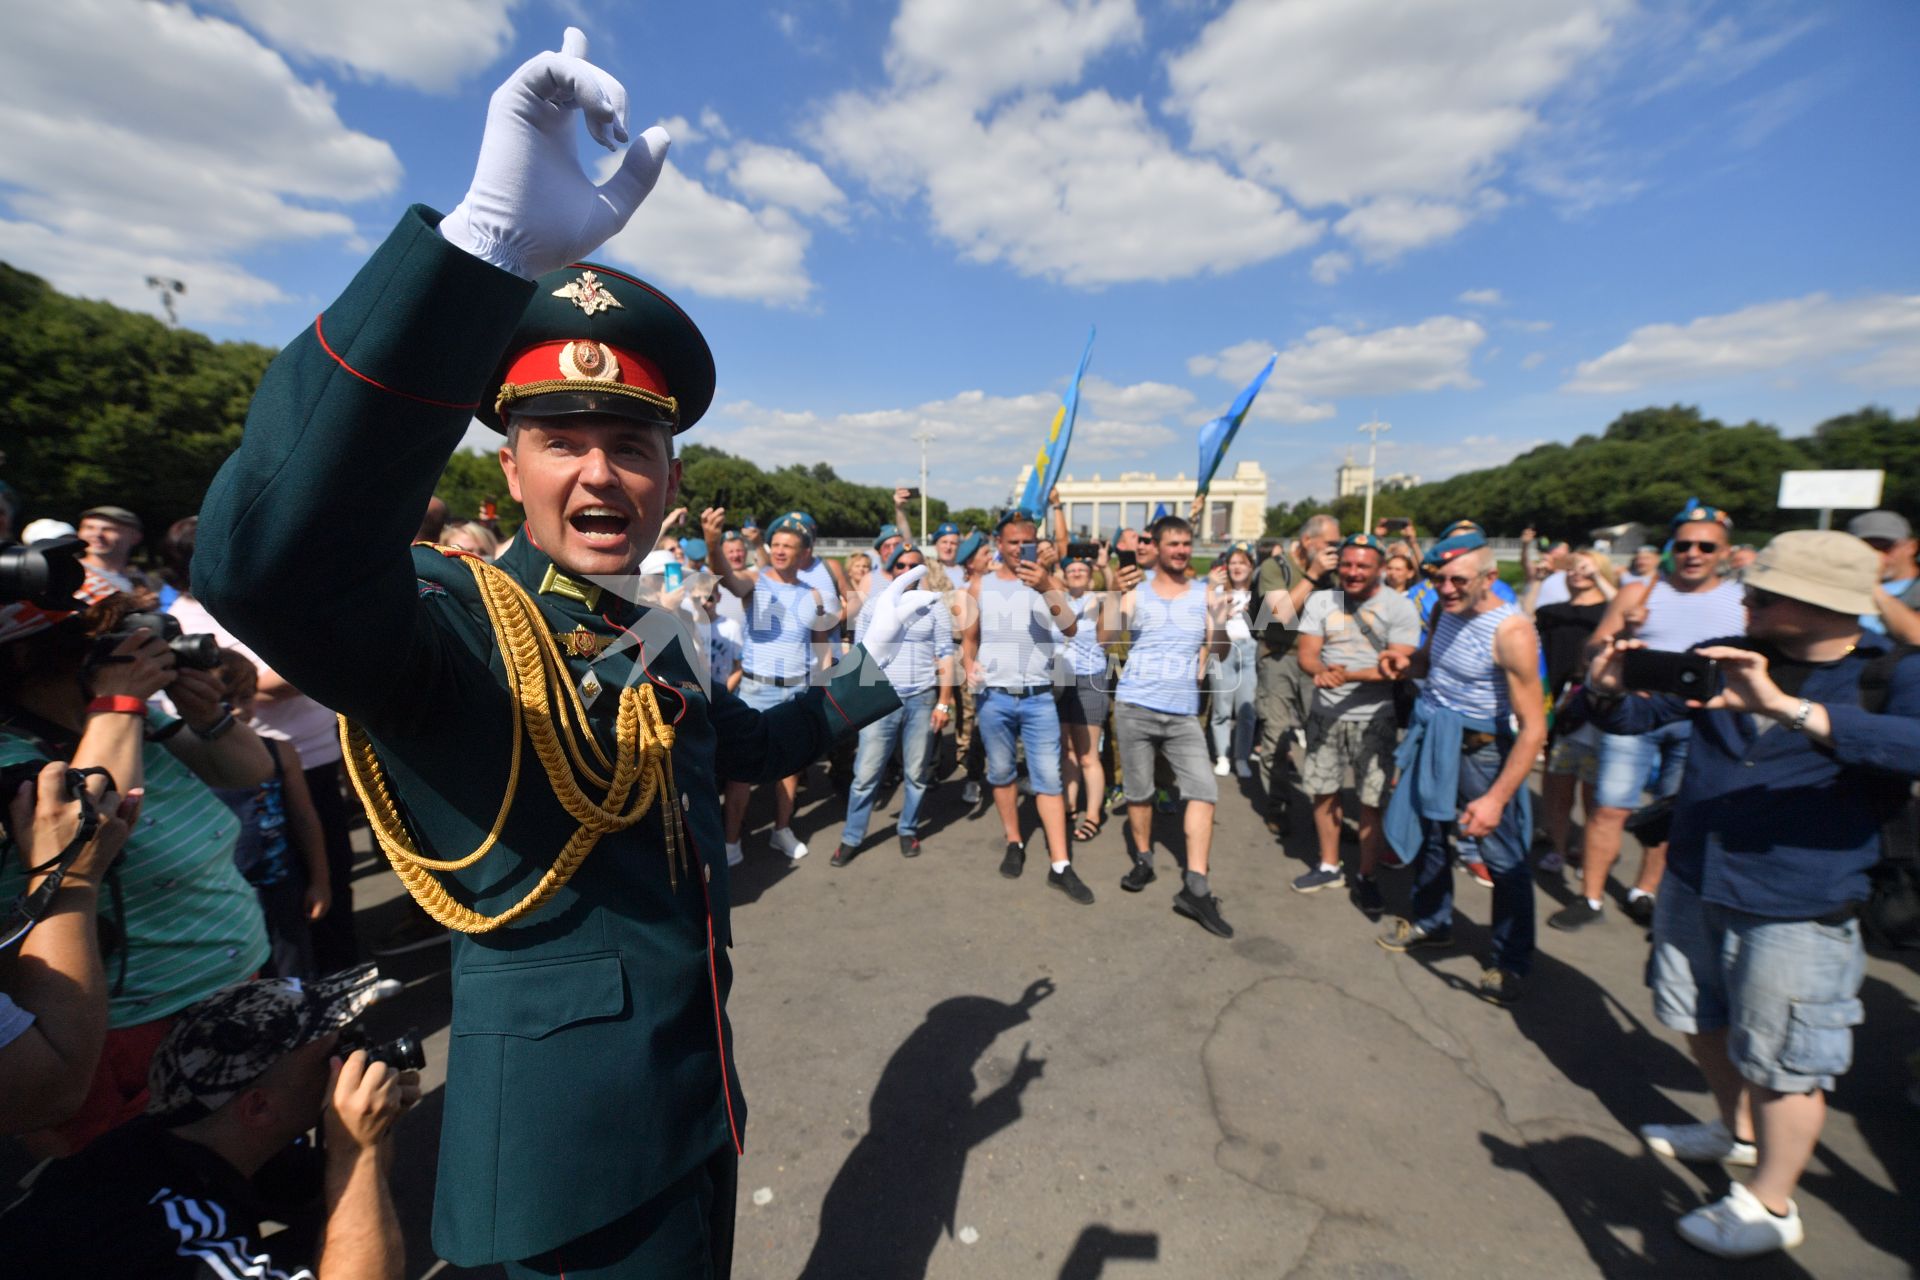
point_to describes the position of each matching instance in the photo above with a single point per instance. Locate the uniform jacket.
(591, 1061)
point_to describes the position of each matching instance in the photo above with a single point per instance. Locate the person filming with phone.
(1805, 734)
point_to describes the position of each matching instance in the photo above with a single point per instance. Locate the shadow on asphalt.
(900, 1185)
(1098, 1244)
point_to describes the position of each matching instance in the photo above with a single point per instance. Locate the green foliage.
(475, 478)
(103, 405)
(844, 509)
(1645, 467)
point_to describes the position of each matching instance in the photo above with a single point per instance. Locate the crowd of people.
(1099, 679)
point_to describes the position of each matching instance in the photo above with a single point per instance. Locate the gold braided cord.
(555, 727)
(514, 392)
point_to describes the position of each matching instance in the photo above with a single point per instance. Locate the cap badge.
(590, 360)
(588, 294)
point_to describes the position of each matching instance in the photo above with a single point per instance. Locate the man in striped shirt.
(237, 1080)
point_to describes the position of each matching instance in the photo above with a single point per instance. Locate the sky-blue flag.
(1218, 434)
(1053, 453)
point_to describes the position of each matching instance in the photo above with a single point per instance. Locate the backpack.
(1891, 917)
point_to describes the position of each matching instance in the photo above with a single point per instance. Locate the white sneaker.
(1221, 766)
(1241, 769)
(970, 793)
(734, 856)
(1699, 1143)
(784, 841)
(1739, 1226)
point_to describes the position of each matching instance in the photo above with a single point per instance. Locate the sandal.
(1088, 827)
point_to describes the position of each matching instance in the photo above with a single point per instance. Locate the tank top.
(779, 618)
(1018, 642)
(1163, 661)
(1461, 673)
(1084, 653)
(1678, 620)
(820, 578)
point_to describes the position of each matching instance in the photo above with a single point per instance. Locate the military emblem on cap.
(588, 294)
(595, 340)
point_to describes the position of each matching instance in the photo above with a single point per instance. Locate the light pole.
(926, 436)
(1372, 430)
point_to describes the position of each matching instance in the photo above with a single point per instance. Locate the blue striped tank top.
(1083, 650)
(1678, 620)
(1461, 673)
(779, 629)
(1018, 642)
(1162, 672)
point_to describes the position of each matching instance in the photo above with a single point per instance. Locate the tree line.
(99, 404)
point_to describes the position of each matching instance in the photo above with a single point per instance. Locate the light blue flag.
(1053, 453)
(1218, 434)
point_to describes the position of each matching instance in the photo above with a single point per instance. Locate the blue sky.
(1493, 222)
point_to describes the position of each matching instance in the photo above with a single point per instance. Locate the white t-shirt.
(1389, 618)
(311, 728)
(1553, 590)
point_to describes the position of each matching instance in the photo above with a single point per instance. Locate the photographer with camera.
(53, 1000)
(1805, 734)
(241, 1078)
(179, 921)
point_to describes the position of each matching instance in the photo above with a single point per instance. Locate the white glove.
(894, 610)
(531, 208)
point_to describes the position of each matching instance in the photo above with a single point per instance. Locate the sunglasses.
(1456, 581)
(1758, 599)
(1684, 545)
(1882, 545)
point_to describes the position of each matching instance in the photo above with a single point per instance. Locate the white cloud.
(775, 175)
(1527, 326)
(983, 440)
(1330, 266)
(687, 237)
(1085, 190)
(1402, 112)
(1533, 360)
(985, 48)
(1329, 363)
(1872, 341)
(1483, 298)
(425, 44)
(186, 144)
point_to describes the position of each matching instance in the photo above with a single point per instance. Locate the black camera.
(403, 1053)
(1690, 675)
(200, 652)
(46, 574)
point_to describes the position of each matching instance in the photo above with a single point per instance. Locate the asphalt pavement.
(953, 1074)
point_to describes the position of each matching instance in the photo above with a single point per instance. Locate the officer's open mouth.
(599, 524)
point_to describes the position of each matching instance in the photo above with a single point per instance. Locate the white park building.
(1099, 508)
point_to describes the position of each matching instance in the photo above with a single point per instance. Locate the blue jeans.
(910, 726)
(1505, 853)
(1634, 762)
(1035, 723)
(1231, 716)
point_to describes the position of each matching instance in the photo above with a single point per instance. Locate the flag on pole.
(1053, 453)
(1218, 434)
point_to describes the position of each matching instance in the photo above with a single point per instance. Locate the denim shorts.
(765, 697)
(1577, 753)
(1032, 722)
(1628, 764)
(1138, 731)
(1786, 990)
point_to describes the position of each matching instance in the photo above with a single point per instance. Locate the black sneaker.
(1014, 863)
(909, 846)
(1577, 914)
(1138, 877)
(1405, 935)
(1499, 986)
(841, 856)
(1640, 910)
(1366, 896)
(1070, 883)
(1206, 910)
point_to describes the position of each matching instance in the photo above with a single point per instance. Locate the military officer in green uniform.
(538, 757)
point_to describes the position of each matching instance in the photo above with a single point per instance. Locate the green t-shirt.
(192, 923)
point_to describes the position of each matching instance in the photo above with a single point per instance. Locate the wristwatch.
(219, 728)
(1799, 722)
(943, 708)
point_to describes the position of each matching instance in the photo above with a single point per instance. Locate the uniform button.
(686, 801)
(709, 871)
(1748, 763)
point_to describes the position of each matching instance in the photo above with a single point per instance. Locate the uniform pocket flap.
(537, 998)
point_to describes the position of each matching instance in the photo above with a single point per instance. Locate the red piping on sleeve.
(404, 395)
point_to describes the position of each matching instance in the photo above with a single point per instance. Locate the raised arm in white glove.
(894, 610)
(531, 208)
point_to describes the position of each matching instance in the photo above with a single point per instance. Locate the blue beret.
(1447, 548)
(792, 524)
(1698, 512)
(969, 547)
(732, 535)
(946, 527)
(886, 531)
(904, 549)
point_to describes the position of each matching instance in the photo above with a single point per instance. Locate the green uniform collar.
(558, 590)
